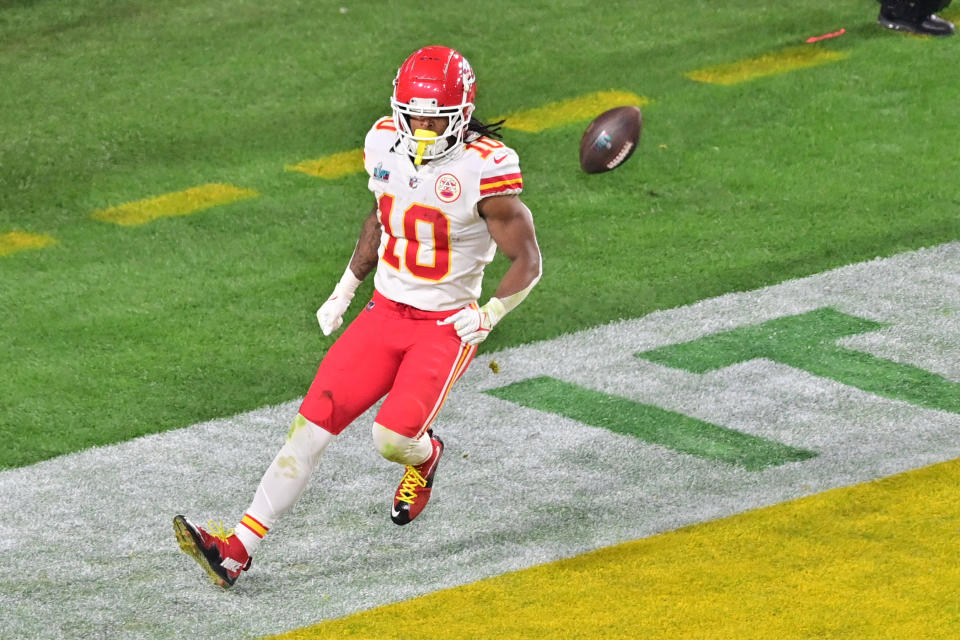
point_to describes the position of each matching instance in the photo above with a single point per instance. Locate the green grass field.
(634, 433)
(113, 332)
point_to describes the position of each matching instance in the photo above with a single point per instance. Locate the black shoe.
(932, 25)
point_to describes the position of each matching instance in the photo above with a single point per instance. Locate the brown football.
(610, 139)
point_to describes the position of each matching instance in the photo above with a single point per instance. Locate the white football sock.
(284, 481)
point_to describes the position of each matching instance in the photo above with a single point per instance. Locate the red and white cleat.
(218, 551)
(414, 491)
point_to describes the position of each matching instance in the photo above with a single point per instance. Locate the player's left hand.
(473, 323)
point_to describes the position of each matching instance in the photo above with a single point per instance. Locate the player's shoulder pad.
(380, 139)
(500, 167)
(382, 134)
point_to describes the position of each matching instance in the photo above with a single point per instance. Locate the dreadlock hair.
(491, 130)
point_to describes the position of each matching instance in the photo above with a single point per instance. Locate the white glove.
(330, 313)
(473, 324)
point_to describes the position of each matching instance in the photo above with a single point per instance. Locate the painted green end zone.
(807, 341)
(650, 424)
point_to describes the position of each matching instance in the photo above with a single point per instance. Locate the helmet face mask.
(434, 82)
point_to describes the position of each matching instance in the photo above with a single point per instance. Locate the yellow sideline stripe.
(178, 203)
(15, 241)
(876, 560)
(580, 109)
(331, 167)
(554, 114)
(766, 65)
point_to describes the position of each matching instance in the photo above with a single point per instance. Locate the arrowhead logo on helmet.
(438, 82)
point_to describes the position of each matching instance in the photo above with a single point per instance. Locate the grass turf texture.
(115, 332)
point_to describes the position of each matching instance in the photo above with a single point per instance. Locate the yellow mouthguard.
(422, 144)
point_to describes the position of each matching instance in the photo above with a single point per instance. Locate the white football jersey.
(434, 245)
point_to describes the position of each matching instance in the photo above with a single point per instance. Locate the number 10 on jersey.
(417, 215)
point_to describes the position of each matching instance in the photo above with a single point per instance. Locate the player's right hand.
(330, 313)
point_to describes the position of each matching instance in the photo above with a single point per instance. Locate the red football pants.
(390, 349)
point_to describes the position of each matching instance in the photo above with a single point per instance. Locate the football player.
(446, 196)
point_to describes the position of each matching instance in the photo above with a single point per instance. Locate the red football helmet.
(434, 81)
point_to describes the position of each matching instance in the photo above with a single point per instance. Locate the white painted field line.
(87, 551)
